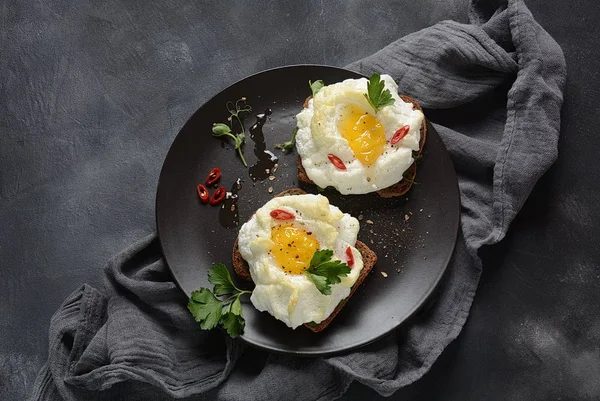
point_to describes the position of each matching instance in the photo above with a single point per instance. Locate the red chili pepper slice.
(398, 135)
(350, 257)
(336, 161)
(202, 193)
(218, 196)
(213, 177)
(279, 214)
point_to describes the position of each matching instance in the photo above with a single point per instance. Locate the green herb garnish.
(289, 145)
(377, 95)
(406, 177)
(235, 111)
(316, 86)
(410, 181)
(323, 271)
(209, 311)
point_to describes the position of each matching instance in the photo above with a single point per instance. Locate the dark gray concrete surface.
(93, 93)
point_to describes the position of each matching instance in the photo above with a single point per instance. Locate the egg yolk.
(364, 133)
(293, 249)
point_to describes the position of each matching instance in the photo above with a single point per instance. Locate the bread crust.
(401, 187)
(242, 270)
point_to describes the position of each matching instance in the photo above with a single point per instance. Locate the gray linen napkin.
(494, 87)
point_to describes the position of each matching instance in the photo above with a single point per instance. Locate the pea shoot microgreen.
(227, 130)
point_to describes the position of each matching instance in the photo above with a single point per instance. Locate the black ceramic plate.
(413, 236)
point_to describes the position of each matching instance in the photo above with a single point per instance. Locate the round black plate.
(414, 236)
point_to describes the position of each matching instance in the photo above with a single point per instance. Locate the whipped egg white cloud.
(281, 288)
(339, 121)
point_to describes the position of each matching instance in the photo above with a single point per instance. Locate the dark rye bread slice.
(398, 189)
(369, 259)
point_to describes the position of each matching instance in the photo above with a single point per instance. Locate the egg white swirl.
(291, 298)
(318, 136)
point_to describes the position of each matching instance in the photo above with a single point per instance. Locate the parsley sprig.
(209, 311)
(377, 95)
(235, 111)
(323, 271)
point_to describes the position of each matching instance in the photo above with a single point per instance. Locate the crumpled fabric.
(494, 88)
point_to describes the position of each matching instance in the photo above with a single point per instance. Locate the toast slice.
(241, 268)
(401, 187)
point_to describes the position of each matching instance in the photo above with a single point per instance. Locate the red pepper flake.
(213, 177)
(279, 214)
(350, 256)
(336, 161)
(398, 135)
(218, 196)
(202, 193)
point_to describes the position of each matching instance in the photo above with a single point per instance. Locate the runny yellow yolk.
(293, 249)
(364, 133)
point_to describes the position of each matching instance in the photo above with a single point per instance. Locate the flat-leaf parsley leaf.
(377, 95)
(218, 275)
(234, 324)
(210, 311)
(205, 308)
(323, 271)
